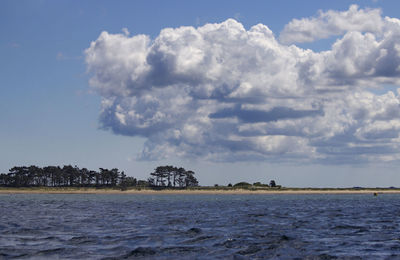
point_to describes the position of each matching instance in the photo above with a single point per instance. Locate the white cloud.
(224, 93)
(331, 23)
(125, 31)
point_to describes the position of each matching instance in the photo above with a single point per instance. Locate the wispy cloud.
(14, 45)
(61, 56)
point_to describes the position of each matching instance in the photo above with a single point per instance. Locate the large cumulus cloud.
(224, 93)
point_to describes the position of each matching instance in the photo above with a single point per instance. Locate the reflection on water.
(199, 226)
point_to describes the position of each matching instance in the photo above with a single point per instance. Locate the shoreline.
(195, 191)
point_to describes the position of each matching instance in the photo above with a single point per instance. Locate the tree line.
(170, 176)
(73, 176)
(66, 176)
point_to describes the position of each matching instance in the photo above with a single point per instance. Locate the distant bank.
(200, 190)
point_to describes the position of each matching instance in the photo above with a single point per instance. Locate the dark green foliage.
(142, 183)
(259, 184)
(170, 176)
(242, 184)
(126, 181)
(67, 176)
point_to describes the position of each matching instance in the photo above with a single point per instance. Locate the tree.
(159, 174)
(19, 176)
(114, 175)
(151, 181)
(142, 183)
(176, 175)
(122, 178)
(69, 175)
(5, 180)
(51, 173)
(172, 176)
(180, 178)
(84, 176)
(104, 176)
(190, 180)
(127, 181)
(272, 183)
(97, 178)
(35, 176)
(131, 182)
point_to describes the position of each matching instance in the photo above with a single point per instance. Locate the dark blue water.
(76, 226)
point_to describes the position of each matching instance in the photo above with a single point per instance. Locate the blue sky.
(49, 115)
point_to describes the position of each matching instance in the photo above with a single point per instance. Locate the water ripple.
(38, 226)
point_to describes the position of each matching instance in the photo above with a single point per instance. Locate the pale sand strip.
(183, 192)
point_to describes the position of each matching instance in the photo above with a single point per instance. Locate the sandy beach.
(191, 191)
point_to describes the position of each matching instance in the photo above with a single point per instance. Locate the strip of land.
(195, 191)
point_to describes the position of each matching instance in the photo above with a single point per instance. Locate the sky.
(302, 92)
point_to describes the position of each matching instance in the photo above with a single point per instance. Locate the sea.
(135, 226)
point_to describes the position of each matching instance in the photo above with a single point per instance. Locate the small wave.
(229, 243)
(348, 227)
(252, 249)
(257, 215)
(141, 252)
(180, 250)
(198, 239)
(194, 231)
(50, 251)
(79, 240)
(120, 227)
